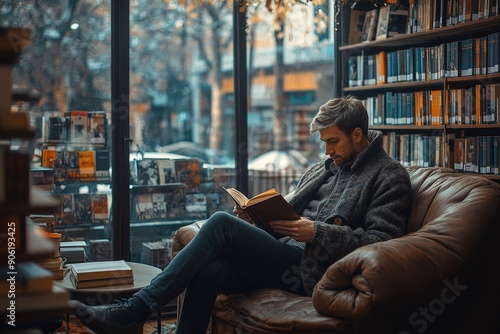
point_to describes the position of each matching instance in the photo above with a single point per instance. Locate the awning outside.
(293, 82)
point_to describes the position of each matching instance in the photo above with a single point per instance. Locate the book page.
(263, 196)
(237, 196)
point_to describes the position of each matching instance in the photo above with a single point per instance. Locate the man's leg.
(197, 302)
(258, 257)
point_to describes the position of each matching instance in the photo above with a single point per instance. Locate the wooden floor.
(149, 327)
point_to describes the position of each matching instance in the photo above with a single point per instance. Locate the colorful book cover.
(79, 127)
(72, 165)
(59, 167)
(97, 128)
(369, 26)
(102, 165)
(65, 212)
(54, 129)
(100, 207)
(188, 172)
(166, 171)
(196, 205)
(147, 172)
(86, 164)
(159, 205)
(83, 208)
(383, 22)
(144, 207)
(48, 156)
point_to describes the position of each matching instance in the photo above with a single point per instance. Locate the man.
(356, 197)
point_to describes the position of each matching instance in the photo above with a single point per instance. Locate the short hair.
(348, 113)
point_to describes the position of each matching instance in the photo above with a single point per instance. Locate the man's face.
(338, 145)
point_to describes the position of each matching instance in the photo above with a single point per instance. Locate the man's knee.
(219, 219)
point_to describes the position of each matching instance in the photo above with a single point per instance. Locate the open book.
(264, 207)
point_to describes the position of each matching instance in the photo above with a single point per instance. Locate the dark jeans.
(228, 255)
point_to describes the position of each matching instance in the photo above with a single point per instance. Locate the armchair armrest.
(184, 235)
(387, 275)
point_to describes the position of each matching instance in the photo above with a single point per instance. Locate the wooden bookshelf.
(452, 126)
(439, 84)
(40, 202)
(434, 36)
(405, 128)
(396, 87)
(20, 240)
(7, 134)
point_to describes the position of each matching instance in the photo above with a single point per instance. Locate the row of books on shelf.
(175, 201)
(476, 154)
(420, 15)
(149, 203)
(425, 15)
(379, 23)
(414, 149)
(467, 57)
(77, 165)
(473, 105)
(76, 127)
(164, 171)
(82, 209)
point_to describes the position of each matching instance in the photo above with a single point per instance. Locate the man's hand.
(301, 229)
(238, 211)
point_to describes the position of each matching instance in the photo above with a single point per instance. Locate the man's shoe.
(119, 317)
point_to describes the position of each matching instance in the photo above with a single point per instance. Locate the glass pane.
(182, 120)
(291, 71)
(63, 79)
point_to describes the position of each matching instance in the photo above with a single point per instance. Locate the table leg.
(158, 322)
(67, 323)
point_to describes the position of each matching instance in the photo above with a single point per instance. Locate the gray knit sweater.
(373, 204)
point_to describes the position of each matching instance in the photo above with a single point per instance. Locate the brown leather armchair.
(439, 278)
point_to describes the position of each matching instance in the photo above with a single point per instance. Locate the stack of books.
(54, 265)
(45, 228)
(99, 274)
(73, 251)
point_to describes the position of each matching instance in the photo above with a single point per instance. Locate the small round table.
(143, 274)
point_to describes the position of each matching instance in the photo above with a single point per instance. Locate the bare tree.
(64, 44)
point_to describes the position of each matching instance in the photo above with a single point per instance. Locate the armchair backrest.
(437, 192)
